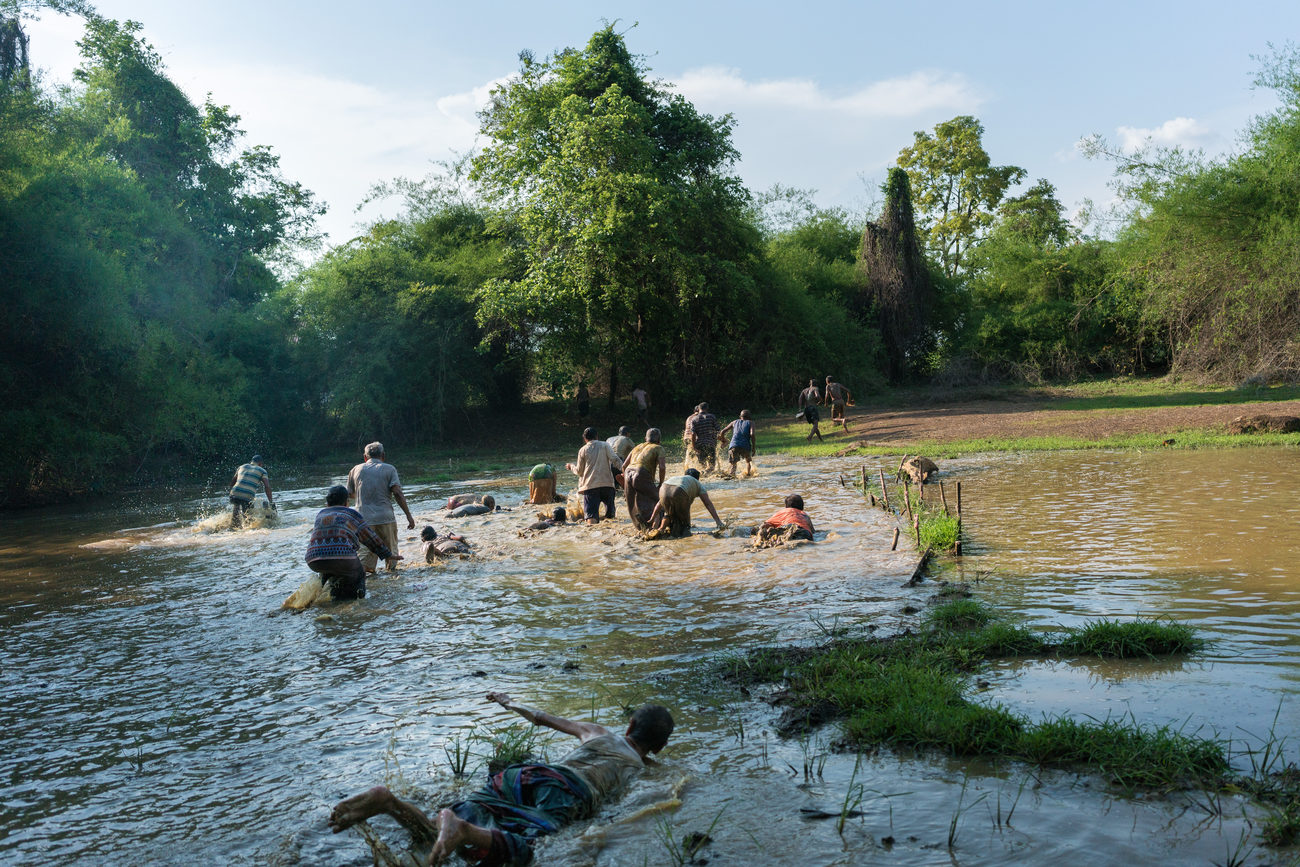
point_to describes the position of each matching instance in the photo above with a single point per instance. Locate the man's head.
(256, 459)
(653, 435)
(559, 516)
(650, 726)
(625, 431)
(428, 534)
(336, 496)
(704, 406)
(744, 413)
(693, 473)
(589, 434)
(794, 501)
(812, 383)
(489, 501)
(375, 451)
(828, 379)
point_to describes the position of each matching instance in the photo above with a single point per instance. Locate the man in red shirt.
(789, 523)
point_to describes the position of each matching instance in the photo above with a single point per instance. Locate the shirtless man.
(489, 827)
(838, 397)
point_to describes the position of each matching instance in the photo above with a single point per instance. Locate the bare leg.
(454, 832)
(379, 800)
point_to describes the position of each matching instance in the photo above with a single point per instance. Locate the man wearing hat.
(243, 489)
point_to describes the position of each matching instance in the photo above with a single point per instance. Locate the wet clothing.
(444, 547)
(593, 498)
(676, 495)
(736, 455)
(645, 456)
(528, 801)
(621, 445)
(249, 481)
(455, 502)
(702, 430)
(836, 395)
(332, 550)
(742, 434)
(541, 471)
(810, 414)
(789, 515)
(387, 532)
(469, 509)
(371, 485)
(642, 493)
(596, 465)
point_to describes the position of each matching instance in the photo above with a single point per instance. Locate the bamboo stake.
(864, 479)
(884, 489)
(894, 545)
(873, 499)
(841, 480)
(944, 495)
(916, 525)
(899, 472)
(956, 549)
(907, 495)
(918, 574)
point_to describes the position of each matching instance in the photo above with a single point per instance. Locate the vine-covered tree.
(955, 187)
(896, 278)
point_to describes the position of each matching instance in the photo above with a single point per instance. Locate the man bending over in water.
(498, 824)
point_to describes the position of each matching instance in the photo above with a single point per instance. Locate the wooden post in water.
(894, 546)
(864, 480)
(916, 525)
(899, 472)
(956, 549)
(841, 480)
(907, 495)
(920, 494)
(958, 546)
(884, 490)
(873, 499)
(944, 496)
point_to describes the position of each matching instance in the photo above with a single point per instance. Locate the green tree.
(955, 188)
(638, 257)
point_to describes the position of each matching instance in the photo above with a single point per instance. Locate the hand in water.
(499, 697)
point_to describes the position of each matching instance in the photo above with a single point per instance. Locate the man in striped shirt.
(243, 489)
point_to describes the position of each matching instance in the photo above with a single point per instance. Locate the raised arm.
(581, 730)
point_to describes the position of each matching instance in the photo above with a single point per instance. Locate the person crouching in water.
(639, 471)
(787, 524)
(672, 515)
(332, 548)
(434, 547)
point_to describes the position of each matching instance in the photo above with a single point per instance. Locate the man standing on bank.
(374, 485)
(243, 489)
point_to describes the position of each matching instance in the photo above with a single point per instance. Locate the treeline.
(157, 316)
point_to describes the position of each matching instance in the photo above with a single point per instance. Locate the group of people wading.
(498, 824)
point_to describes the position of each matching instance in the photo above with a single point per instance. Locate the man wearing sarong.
(787, 524)
(701, 436)
(332, 547)
(639, 484)
(541, 486)
(498, 824)
(672, 514)
(838, 397)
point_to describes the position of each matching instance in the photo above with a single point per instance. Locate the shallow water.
(159, 707)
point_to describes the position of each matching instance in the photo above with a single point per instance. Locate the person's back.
(622, 445)
(645, 457)
(689, 484)
(248, 481)
(605, 763)
(371, 484)
(742, 434)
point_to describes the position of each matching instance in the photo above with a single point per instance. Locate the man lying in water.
(486, 503)
(559, 518)
(787, 524)
(498, 824)
(435, 547)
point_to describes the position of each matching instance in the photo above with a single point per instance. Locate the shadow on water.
(158, 706)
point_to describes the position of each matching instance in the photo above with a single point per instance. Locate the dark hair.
(624, 431)
(589, 433)
(794, 501)
(428, 534)
(704, 406)
(336, 496)
(744, 413)
(255, 459)
(650, 726)
(559, 514)
(693, 473)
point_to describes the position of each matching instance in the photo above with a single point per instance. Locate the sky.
(824, 94)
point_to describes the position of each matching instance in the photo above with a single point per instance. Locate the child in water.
(448, 545)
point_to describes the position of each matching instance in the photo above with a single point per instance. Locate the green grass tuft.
(961, 614)
(1130, 639)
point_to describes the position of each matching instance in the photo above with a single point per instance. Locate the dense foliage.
(158, 318)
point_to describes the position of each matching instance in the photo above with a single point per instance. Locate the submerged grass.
(910, 691)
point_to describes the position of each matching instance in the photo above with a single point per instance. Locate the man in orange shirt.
(789, 523)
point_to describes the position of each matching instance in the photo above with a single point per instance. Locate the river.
(159, 707)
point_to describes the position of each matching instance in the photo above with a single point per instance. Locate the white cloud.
(906, 96)
(1187, 132)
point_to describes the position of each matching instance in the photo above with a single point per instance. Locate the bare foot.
(451, 834)
(358, 808)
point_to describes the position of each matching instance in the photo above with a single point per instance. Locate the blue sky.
(824, 94)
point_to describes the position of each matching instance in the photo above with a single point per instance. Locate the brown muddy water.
(159, 708)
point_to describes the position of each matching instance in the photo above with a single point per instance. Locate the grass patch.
(938, 530)
(909, 691)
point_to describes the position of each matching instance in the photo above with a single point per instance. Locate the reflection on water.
(159, 707)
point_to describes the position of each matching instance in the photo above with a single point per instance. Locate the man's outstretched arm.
(581, 730)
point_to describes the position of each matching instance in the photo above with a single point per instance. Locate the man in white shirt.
(595, 469)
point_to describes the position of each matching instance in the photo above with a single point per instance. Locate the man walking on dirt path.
(838, 397)
(497, 824)
(374, 485)
(243, 489)
(701, 436)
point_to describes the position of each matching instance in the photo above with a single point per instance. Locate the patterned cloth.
(702, 428)
(248, 481)
(338, 533)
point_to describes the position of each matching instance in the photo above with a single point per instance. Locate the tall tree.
(637, 251)
(896, 278)
(955, 187)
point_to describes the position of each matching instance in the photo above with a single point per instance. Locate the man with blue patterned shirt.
(243, 489)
